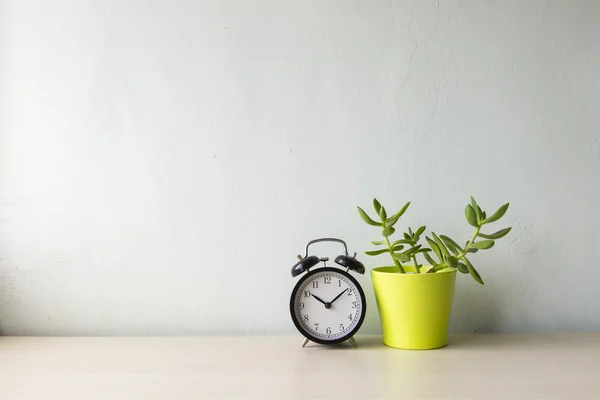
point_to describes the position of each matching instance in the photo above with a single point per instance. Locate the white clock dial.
(328, 305)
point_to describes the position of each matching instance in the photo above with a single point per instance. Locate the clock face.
(328, 305)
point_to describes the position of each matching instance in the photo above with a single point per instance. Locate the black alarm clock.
(327, 304)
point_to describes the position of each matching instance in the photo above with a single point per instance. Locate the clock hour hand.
(318, 298)
(338, 296)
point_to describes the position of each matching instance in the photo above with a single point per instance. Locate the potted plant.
(414, 300)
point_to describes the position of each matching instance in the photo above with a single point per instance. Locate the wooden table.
(492, 366)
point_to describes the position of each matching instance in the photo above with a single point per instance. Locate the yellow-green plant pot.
(414, 309)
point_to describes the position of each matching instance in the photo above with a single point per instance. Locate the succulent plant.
(448, 253)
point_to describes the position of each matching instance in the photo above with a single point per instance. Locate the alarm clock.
(327, 304)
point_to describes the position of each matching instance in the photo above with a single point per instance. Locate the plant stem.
(414, 257)
(392, 254)
(466, 250)
(462, 255)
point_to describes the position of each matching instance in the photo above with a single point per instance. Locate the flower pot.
(414, 309)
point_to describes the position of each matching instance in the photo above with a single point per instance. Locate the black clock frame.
(299, 325)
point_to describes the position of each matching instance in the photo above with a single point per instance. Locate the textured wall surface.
(163, 162)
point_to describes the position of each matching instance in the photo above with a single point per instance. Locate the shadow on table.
(370, 342)
(362, 342)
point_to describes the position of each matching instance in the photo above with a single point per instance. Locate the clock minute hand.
(338, 296)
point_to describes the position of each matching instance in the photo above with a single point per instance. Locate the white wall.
(163, 162)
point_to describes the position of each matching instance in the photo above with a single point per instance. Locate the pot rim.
(380, 270)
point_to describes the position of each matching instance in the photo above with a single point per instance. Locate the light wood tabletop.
(484, 366)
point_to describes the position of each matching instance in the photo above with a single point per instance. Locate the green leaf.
(411, 242)
(471, 249)
(473, 271)
(471, 217)
(412, 250)
(440, 244)
(452, 245)
(376, 205)
(429, 259)
(376, 252)
(435, 249)
(482, 215)
(393, 219)
(366, 217)
(382, 213)
(497, 215)
(476, 209)
(496, 235)
(424, 250)
(397, 248)
(462, 268)
(452, 261)
(451, 241)
(401, 257)
(419, 231)
(483, 244)
(410, 232)
(388, 232)
(407, 237)
(378, 242)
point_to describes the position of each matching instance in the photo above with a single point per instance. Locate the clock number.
(326, 280)
(301, 305)
(306, 318)
(341, 327)
(315, 285)
(339, 283)
(353, 304)
(350, 317)
(316, 327)
(307, 293)
(349, 292)
(328, 331)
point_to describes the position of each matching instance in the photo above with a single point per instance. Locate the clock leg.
(305, 342)
(352, 341)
